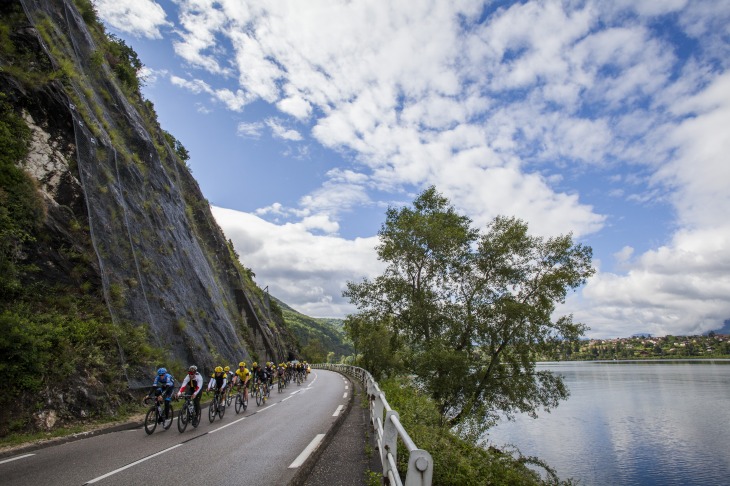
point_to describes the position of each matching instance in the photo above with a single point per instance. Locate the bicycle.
(259, 391)
(188, 415)
(229, 395)
(155, 415)
(280, 384)
(217, 407)
(241, 399)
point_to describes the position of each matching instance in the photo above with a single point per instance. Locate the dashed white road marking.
(227, 425)
(266, 408)
(133, 464)
(337, 412)
(345, 395)
(306, 452)
(16, 458)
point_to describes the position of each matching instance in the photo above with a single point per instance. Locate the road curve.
(263, 445)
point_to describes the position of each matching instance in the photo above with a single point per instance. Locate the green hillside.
(318, 337)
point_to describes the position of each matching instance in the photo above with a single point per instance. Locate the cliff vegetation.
(111, 263)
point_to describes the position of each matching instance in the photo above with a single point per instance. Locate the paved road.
(236, 450)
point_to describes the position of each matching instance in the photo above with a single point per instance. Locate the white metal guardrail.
(388, 429)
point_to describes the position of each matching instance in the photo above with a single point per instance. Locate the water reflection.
(633, 423)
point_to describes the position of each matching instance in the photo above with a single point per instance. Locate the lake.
(633, 423)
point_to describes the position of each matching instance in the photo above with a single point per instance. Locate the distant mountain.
(317, 336)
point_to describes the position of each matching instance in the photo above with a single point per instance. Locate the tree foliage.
(466, 311)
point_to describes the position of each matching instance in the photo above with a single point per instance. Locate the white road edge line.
(306, 452)
(227, 425)
(294, 393)
(132, 464)
(337, 412)
(266, 408)
(16, 458)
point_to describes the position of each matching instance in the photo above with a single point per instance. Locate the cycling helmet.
(218, 369)
(227, 368)
(255, 364)
(193, 369)
(242, 364)
(162, 371)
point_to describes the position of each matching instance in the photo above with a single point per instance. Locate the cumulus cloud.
(250, 130)
(682, 286)
(530, 111)
(278, 130)
(311, 281)
(141, 18)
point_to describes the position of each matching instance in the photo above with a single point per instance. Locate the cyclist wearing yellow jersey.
(218, 382)
(242, 377)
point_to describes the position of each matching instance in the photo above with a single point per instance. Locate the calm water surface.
(633, 423)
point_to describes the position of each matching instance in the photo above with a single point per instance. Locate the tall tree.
(468, 311)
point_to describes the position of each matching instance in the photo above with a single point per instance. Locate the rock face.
(115, 189)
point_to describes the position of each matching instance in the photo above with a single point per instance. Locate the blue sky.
(608, 120)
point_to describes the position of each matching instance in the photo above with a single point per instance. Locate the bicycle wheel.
(229, 398)
(167, 423)
(183, 418)
(268, 391)
(278, 384)
(150, 420)
(221, 409)
(259, 396)
(213, 410)
(239, 403)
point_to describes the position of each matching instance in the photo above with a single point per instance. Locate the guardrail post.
(420, 468)
(377, 407)
(390, 443)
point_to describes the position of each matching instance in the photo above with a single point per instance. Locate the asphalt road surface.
(263, 445)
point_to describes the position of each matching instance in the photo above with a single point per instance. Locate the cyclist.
(260, 376)
(229, 377)
(218, 382)
(164, 385)
(270, 372)
(300, 371)
(196, 384)
(280, 370)
(242, 378)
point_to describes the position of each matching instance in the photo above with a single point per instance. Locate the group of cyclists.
(223, 381)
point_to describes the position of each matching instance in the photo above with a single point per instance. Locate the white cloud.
(196, 86)
(295, 106)
(249, 130)
(529, 113)
(141, 18)
(306, 271)
(278, 130)
(681, 287)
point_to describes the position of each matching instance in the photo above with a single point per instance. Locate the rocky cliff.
(121, 217)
